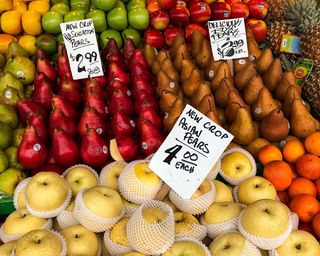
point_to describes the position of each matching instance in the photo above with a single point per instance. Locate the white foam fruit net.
(89, 219)
(147, 238)
(114, 248)
(66, 219)
(20, 187)
(195, 231)
(194, 206)
(132, 189)
(105, 171)
(295, 220)
(10, 237)
(129, 209)
(232, 180)
(249, 249)
(217, 229)
(262, 242)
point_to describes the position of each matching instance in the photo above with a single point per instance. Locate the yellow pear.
(203, 90)
(302, 122)
(264, 104)
(241, 79)
(242, 127)
(165, 83)
(222, 71)
(173, 114)
(251, 91)
(204, 56)
(273, 75)
(211, 69)
(264, 61)
(179, 40)
(196, 42)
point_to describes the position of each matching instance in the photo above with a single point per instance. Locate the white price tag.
(189, 152)
(228, 39)
(82, 48)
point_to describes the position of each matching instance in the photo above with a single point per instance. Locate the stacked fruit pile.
(120, 203)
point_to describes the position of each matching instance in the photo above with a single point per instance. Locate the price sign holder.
(82, 48)
(189, 152)
(228, 39)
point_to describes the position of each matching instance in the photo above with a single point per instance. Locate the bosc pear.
(166, 101)
(242, 78)
(203, 90)
(251, 91)
(292, 94)
(273, 75)
(213, 116)
(286, 81)
(191, 84)
(222, 71)
(156, 64)
(239, 64)
(179, 40)
(264, 61)
(253, 47)
(221, 94)
(149, 53)
(242, 127)
(165, 83)
(181, 53)
(211, 69)
(234, 101)
(196, 42)
(168, 67)
(187, 66)
(207, 104)
(302, 122)
(264, 104)
(204, 56)
(173, 114)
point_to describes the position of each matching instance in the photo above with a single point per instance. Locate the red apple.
(231, 2)
(153, 5)
(167, 4)
(258, 9)
(170, 34)
(200, 12)
(239, 10)
(220, 11)
(154, 38)
(192, 27)
(159, 19)
(179, 16)
(259, 29)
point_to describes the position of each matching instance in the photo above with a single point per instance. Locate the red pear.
(58, 120)
(117, 85)
(122, 124)
(111, 48)
(65, 106)
(32, 151)
(45, 66)
(94, 85)
(27, 108)
(128, 49)
(39, 79)
(151, 115)
(63, 66)
(42, 94)
(137, 69)
(71, 90)
(114, 72)
(40, 125)
(145, 100)
(94, 100)
(138, 57)
(120, 102)
(127, 147)
(48, 168)
(41, 54)
(90, 118)
(118, 59)
(140, 83)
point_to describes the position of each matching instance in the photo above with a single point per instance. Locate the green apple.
(104, 5)
(80, 7)
(73, 16)
(133, 34)
(110, 33)
(61, 8)
(117, 18)
(51, 22)
(99, 20)
(53, 2)
(139, 18)
(75, 2)
(47, 42)
(4, 162)
(136, 4)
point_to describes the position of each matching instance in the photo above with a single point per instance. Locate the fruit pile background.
(98, 134)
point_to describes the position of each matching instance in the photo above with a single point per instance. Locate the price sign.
(82, 48)
(189, 152)
(228, 39)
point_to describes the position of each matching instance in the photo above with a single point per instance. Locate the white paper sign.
(228, 39)
(189, 152)
(82, 48)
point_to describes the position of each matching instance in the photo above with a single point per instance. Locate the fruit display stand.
(76, 153)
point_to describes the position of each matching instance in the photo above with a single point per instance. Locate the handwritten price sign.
(228, 39)
(82, 48)
(189, 152)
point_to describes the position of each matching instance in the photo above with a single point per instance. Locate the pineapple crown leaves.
(302, 14)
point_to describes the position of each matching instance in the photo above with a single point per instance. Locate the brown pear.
(165, 83)
(264, 104)
(213, 117)
(168, 67)
(207, 103)
(239, 64)
(221, 115)
(255, 146)
(186, 100)
(203, 90)
(256, 129)
(289, 75)
(253, 46)
(251, 91)
(186, 68)
(191, 84)
(211, 69)
(273, 75)
(173, 114)
(179, 40)
(264, 61)
(292, 93)
(181, 53)
(274, 127)
(221, 94)
(155, 67)
(285, 82)
(166, 101)
(242, 78)
(242, 127)
(234, 101)
(149, 53)
(302, 122)
(162, 55)
(196, 42)
(204, 56)
(222, 71)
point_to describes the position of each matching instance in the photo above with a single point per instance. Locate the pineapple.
(275, 32)
(310, 44)
(311, 92)
(276, 12)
